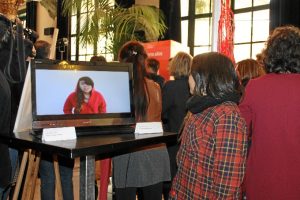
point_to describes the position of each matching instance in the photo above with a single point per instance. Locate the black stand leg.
(87, 178)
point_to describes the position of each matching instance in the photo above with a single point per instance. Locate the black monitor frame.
(81, 120)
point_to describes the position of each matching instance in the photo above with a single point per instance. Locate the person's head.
(85, 85)
(152, 65)
(133, 52)
(98, 59)
(42, 49)
(180, 65)
(282, 51)
(259, 59)
(214, 75)
(9, 8)
(249, 69)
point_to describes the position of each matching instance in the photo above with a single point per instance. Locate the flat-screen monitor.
(81, 94)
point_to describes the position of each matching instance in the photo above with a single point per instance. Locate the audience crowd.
(237, 125)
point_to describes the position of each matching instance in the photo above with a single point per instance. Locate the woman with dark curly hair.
(271, 108)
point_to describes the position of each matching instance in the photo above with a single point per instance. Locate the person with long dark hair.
(271, 107)
(85, 99)
(213, 143)
(146, 168)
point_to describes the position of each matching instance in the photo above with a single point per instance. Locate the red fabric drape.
(226, 30)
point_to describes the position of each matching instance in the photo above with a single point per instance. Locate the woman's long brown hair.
(133, 52)
(79, 93)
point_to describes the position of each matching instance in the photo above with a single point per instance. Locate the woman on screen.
(85, 100)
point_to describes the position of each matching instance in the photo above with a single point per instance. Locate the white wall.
(44, 21)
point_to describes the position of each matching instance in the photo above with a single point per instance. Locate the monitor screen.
(81, 94)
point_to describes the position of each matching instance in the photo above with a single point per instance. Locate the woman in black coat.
(175, 93)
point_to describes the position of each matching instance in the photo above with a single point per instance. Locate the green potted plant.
(116, 24)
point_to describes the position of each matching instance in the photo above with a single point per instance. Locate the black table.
(87, 147)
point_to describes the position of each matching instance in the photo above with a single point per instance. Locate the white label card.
(147, 135)
(56, 134)
(148, 128)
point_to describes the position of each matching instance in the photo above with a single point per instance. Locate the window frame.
(192, 17)
(251, 9)
(75, 35)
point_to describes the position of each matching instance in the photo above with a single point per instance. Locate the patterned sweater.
(211, 159)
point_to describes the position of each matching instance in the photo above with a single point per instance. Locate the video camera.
(30, 34)
(61, 44)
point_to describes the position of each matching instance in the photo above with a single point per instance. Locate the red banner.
(163, 51)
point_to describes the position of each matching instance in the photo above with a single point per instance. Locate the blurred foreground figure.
(14, 49)
(271, 107)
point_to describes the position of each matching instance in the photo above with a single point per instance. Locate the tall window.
(252, 21)
(83, 52)
(196, 25)
(251, 26)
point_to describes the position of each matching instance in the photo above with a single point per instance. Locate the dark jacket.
(157, 78)
(12, 44)
(5, 167)
(19, 49)
(5, 103)
(175, 93)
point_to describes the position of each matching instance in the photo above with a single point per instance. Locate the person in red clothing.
(85, 100)
(213, 144)
(103, 166)
(249, 69)
(271, 107)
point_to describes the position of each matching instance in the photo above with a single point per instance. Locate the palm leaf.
(51, 7)
(115, 23)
